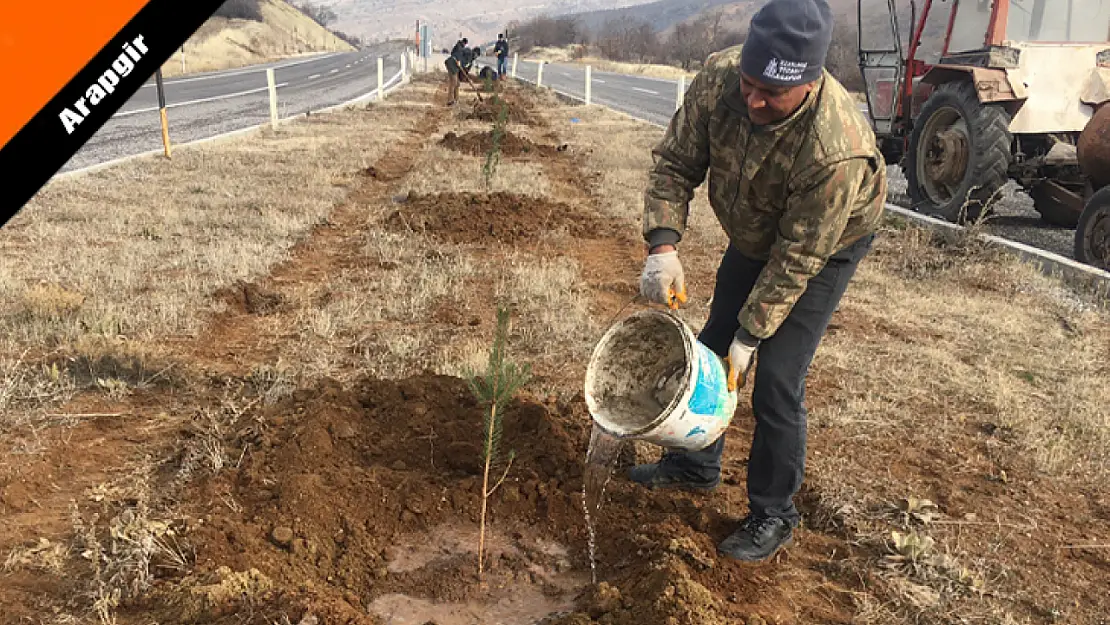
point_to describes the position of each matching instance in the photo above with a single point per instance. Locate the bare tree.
(627, 39)
(240, 9)
(691, 42)
(319, 13)
(546, 31)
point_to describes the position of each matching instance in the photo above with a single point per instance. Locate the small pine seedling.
(493, 156)
(495, 388)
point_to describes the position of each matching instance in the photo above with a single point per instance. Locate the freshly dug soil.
(498, 217)
(480, 144)
(489, 110)
(352, 502)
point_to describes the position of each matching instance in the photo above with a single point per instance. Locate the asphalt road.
(653, 100)
(204, 105)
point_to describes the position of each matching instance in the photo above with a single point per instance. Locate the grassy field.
(232, 391)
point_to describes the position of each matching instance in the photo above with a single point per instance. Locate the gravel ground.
(1014, 217)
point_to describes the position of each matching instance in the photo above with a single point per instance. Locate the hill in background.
(683, 33)
(247, 32)
(477, 20)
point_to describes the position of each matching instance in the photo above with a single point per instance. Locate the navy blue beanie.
(787, 42)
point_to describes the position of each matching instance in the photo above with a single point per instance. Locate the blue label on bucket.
(710, 394)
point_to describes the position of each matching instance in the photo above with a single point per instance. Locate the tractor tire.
(1092, 234)
(959, 154)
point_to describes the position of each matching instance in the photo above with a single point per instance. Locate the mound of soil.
(489, 110)
(247, 297)
(361, 505)
(497, 217)
(480, 143)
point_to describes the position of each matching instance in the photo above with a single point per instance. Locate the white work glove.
(741, 355)
(662, 280)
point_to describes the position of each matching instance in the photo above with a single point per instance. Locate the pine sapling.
(495, 388)
(493, 156)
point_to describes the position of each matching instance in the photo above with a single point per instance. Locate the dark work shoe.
(757, 539)
(666, 475)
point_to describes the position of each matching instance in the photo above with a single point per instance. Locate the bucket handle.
(636, 298)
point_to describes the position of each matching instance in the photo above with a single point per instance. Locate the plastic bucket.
(649, 378)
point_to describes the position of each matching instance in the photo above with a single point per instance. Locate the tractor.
(980, 92)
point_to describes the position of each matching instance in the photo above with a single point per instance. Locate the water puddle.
(540, 583)
(600, 458)
(449, 542)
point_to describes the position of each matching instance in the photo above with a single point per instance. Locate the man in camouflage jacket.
(798, 184)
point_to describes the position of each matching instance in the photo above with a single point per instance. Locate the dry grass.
(977, 337)
(552, 305)
(222, 43)
(440, 170)
(156, 237)
(157, 240)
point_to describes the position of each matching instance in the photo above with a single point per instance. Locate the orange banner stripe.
(44, 43)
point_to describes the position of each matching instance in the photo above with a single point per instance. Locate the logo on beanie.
(785, 71)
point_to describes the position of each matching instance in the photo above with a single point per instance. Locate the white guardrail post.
(681, 92)
(515, 57)
(588, 81)
(404, 66)
(539, 73)
(273, 97)
(381, 72)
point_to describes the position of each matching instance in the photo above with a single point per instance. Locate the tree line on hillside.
(240, 10)
(324, 16)
(687, 45)
(250, 10)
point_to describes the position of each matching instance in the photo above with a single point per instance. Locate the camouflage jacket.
(791, 194)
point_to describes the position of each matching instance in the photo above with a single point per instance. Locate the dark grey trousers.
(776, 465)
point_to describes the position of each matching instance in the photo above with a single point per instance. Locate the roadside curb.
(397, 81)
(1049, 263)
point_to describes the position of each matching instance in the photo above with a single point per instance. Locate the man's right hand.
(662, 280)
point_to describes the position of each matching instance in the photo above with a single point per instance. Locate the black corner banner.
(88, 101)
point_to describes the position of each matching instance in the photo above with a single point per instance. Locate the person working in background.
(501, 48)
(456, 63)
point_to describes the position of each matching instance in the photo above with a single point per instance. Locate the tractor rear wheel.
(1092, 234)
(958, 155)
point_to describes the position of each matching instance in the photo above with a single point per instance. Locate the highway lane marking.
(598, 80)
(240, 72)
(645, 78)
(333, 71)
(348, 66)
(198, 101)
(646, 90)
(314, 76)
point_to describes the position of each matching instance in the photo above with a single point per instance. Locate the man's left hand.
(741, 355)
